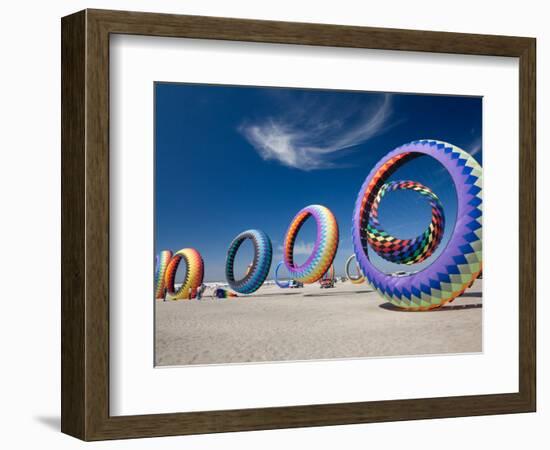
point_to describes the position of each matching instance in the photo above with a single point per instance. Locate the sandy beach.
(348, 321)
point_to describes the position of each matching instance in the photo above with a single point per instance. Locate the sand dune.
(349, 321)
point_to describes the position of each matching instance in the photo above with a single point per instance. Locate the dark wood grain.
(85, 224)
(151, 24)
(73, 227)
(527, 224)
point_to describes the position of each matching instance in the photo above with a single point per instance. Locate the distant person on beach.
(201, 290)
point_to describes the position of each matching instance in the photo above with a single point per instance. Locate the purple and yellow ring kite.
(193, 275)
(324, 249)
(459, 263)
(162, 261)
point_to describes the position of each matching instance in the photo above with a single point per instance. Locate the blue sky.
(232, 158)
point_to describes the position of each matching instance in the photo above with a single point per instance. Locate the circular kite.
(324, 249)
(257, 273)
(193, 275)
(162, 261)
(459, 263)
(281, 284)
(406, 251)
(357, 279)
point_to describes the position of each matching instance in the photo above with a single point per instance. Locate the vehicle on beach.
(327, 284)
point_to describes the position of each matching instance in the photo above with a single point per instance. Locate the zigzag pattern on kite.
(460, 263)
(406, 251)
(162, 261)
(261, 264)
(324, 249)
(193, 275)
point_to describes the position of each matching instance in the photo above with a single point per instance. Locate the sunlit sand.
(348, 321)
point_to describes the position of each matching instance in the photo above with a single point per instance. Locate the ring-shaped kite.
(193, 275)
(324, 249)
(459, 263)
(257, 273)
(359, 278)
(162, 261)
(406, 251)
(281, 284)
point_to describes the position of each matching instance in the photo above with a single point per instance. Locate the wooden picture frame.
(85, 224)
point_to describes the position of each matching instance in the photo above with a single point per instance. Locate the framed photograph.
(273, 225)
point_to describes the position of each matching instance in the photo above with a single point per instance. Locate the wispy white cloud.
(309, 137)
(475, 146)
(300, 248)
